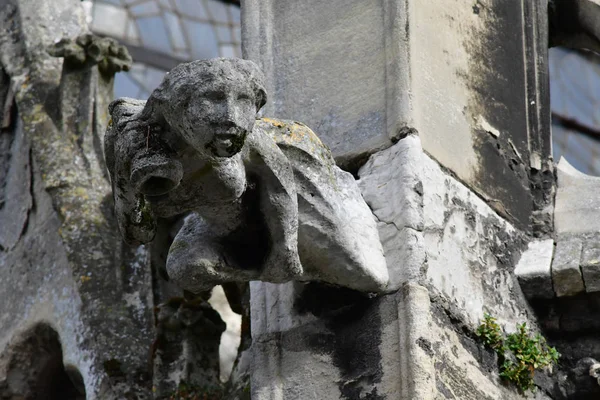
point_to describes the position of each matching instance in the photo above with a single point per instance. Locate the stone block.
(590, 266)
(566, 273)
(576, 200)
(391, 74)
(391, 185)
(352, 92)
(534, 270)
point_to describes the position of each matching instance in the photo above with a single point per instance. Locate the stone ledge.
(534, 269)
(566, 273)
(574, 267)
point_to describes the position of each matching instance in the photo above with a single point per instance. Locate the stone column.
(66, 274)
(441, 110)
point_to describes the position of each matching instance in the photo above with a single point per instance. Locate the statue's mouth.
(225, 137)
(157, 198)
(228, 143)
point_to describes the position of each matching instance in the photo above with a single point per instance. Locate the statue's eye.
(244, 97)
(214, 95)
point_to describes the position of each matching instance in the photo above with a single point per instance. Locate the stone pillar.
(66, 274)
(442, 111)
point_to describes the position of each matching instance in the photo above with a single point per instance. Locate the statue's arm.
(279, 205)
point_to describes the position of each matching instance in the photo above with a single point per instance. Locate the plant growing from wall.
(520, 354)
(192, 392)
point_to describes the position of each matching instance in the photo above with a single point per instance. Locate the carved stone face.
(215, 119)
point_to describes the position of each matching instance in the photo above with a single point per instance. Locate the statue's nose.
(155, 175)
(231, 112)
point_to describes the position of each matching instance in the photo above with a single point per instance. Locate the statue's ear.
(257, 80)
(124, 107)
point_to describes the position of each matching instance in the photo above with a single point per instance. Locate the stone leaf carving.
(263, 197)
(89, 49)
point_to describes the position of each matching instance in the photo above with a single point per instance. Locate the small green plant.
(190, 392)
(520, 354)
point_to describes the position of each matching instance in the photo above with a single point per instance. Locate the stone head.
(211, 104)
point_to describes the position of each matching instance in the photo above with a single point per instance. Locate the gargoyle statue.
(264, 199)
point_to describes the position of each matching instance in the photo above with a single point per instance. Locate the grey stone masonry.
(394, 72)
(534, 269)
(590, 266)
(577, 202)
(566, 274)
(576, 261)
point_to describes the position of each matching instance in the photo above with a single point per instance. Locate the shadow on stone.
(36, 370)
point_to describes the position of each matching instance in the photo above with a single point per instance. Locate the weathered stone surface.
(187, 347)
(458, 266)
(459, 241)
(313, 342)
(64, 265)
(87, 49)
(15, 184)
(392, 74)
(353, 92)
(391, 185)
(534, 269)
(576, 201)
(590, 266)
(566, 271)
(574, 24)
(267, 200)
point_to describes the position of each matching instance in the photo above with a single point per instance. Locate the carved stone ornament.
(263, 198)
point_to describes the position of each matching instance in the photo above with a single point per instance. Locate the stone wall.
(64, 265)
(451, 258)
(363, 75)
(455, 163)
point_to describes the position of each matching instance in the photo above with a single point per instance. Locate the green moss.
(178, 245)
(192, 392)
(146, 213)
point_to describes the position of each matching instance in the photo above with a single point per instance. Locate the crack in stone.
(31, 193)
(398, 228)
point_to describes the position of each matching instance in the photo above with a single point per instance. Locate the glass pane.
(192, 8)
(137, 72)
(153, 78)
(574, 86)
(228, 50)
(114, 2)
(184, 29)
(182, 55)
(575, 101)
(203, 40)
(145, 9)
(175, 30)
(165, 4)
(154, 34)
(234, 12)
(109, 20)
(224, 34)
(125, 86)
(217, 10)
(132, 33)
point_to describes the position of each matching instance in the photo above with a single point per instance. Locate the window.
(575, 105)
(163, 33)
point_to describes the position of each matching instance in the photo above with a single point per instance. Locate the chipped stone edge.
(533, 270)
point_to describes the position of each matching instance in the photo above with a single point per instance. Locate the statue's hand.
(282, 265)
